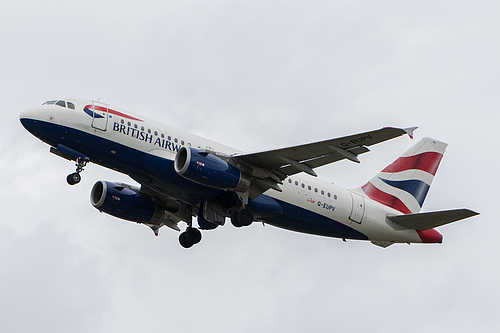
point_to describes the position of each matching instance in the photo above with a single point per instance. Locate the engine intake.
(124, 203)
(209, 170)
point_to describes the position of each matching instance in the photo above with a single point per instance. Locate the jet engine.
(121, 201)
(206, 169)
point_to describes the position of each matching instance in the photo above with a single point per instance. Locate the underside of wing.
(174, 211)
(269, 168)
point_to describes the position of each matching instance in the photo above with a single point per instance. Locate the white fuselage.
(348, 207)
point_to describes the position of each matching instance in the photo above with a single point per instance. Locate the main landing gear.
(75, 177)
(190, 237)
(243, 218)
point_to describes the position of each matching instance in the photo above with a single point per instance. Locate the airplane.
(183, 176)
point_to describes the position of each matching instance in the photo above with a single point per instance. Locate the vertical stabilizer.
(404, 184)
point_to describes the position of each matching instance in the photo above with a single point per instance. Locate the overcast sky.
(253, 75)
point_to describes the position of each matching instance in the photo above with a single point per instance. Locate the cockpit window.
(61, 103)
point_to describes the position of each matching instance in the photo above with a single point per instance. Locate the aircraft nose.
(29, 117)
(31, 113)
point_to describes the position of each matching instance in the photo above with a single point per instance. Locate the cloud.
(253, 75)
(48, 282)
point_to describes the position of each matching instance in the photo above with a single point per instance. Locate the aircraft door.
(358, 208)
(99, 116)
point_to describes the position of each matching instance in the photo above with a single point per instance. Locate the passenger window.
(61, 103)
(71, 105)
(142, 128)
(162, 136)
(169, 138)
(290, 181)
(309, 187)
(129, 124)
(182, 142)
(316, 190)
(303, 185)
(322, 192)
(156, 133)
(175, 140)
(335, 197)
(149, 130)
(136, 126)
(296, 183)
(329, 194)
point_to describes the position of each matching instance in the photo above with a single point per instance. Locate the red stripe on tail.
(428, 162)
(385, 198)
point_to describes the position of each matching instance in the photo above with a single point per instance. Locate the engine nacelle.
(122, 202)
(209, 170)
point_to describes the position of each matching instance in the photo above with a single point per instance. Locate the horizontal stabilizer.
(430, 220)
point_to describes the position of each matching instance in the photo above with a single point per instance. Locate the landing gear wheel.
(190, 237)
(234, 220)
(73, 178)
(184, 241)
(193, 235)
(243, 218)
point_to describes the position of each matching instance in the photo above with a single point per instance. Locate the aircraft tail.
(403, 185)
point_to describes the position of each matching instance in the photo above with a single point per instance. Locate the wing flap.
(270, 168)
(320, 153)
(430, 220)
(323, 160)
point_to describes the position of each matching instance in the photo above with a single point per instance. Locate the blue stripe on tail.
(417, 188)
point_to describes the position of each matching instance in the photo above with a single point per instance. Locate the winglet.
(410, 131)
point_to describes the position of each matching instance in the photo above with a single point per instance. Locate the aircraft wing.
(272, 166)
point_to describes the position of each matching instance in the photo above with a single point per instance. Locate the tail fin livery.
(403, 185)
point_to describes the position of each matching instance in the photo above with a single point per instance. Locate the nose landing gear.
(75, 177)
